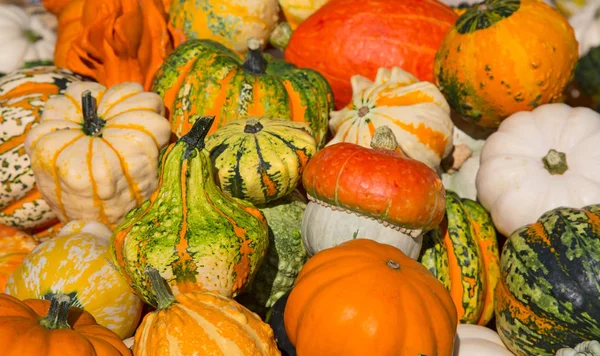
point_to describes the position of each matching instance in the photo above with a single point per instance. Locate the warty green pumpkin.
(203, 77)
(193, 234)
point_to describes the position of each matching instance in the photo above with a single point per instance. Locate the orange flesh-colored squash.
(14, 246)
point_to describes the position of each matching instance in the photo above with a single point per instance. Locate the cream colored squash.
(296, 11)
(417, 113)
(96, 164)
(586, 348)
(586, 23)
(538, 161)
(476, 340)
(77, 262)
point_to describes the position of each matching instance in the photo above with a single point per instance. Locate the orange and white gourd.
(97, 163)
(415, 111)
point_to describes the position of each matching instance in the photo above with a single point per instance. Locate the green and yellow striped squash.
(203, 77)
(23, 95)
(549, 290)
(193, 234)
(260, 159)
(462, 253)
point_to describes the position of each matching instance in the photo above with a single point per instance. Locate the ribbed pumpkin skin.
(548, 294)
(260, 159)
(23, 94)
(204, 323)
(192, 233)
(202, 77)
(513, 56)
(348, 37)
(463, 254)
(14, 246)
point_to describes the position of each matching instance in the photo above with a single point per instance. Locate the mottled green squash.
(548, 296)
(203, 77)
(462, 253)
(587, 74)
(259, 159)
(193, 234)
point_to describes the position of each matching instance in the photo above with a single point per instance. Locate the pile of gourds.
(227, 179)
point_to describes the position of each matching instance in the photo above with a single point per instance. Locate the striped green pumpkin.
(260, 159)
(192, 233)
(462, 253)
(549, 293)
(203, 77)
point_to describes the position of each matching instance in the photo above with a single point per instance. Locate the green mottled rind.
(285, 256)
(204, 70)
(587, 74)
(152, 231)
(551, 271)
(263, 166)
(485, 14)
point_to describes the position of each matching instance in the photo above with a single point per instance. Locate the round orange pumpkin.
(14, 246)
(505, 56)
(366, 298)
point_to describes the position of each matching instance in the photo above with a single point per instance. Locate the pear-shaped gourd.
(192, 233)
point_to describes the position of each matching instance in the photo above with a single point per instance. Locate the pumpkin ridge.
(335, 194)
(58, 190)
(269, 181)
(97, 202)
(135, 127)
(184, 264)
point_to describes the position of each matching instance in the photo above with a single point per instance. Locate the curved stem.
(92, 124)
(280, 37)
(555, 162)
(162, 293)
(58, 313)
(384, 139)
(195, 137)
(255, 61)
(253, 126)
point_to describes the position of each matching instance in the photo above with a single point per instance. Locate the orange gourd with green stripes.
(203, 77)
(193, 234)
(23, 94)
(462, 253)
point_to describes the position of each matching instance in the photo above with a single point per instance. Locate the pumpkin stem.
(92, 124)
(555, 162)
(162, 293)
(255, 61)
(32, 36)
(195, 137)
(58, 313)
(384, 139)
(280, 37)
(393, 264)
(253, 126)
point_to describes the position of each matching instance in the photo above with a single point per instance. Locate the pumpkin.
(462, 253)
(547, 159)
(375, 192)
(338, 40)
(586, 24)
(24, 39)
(230, 23)
(486, 80)
(296, 11)
(259, 159)
(114, 41)
(55, 6)
(193, 234)
(201, 322)
(14, 246)
(338, 305)
(96, 161)
(547, 295)
(586, 348)
(416, 112)
(77, 263)
(476, 340)
(23, 94)
(202, 77)
(53, 328)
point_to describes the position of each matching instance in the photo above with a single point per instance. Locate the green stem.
(280, 37)
(255, 61)
(384, 139)
(58, 313)
(92, 124)
(253, 126)
(162, 293)
(195, 137)
(32, 36)
(555, 162)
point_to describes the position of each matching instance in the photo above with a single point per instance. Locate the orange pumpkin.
(367, 298)
(114, 41)
(51, 328)
(14, 246)
(55, 6)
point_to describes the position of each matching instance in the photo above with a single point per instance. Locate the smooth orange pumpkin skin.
(115, 41)
(14, 246)
(348, 301)
(55, 6)
(21, 333)
(379, 183)
(348, 37)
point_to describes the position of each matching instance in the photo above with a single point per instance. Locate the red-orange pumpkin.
(348, 37)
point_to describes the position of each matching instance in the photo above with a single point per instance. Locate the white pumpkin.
(586, 348)
(476, 340)
(417, 113)
(586, 23)
(24, 38)
(97, 163)
(538, 161)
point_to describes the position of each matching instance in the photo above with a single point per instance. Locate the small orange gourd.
(14, 246)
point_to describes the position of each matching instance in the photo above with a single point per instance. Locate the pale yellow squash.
(77, 262)
(97, 163)
(415, 111)
(296, 11)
